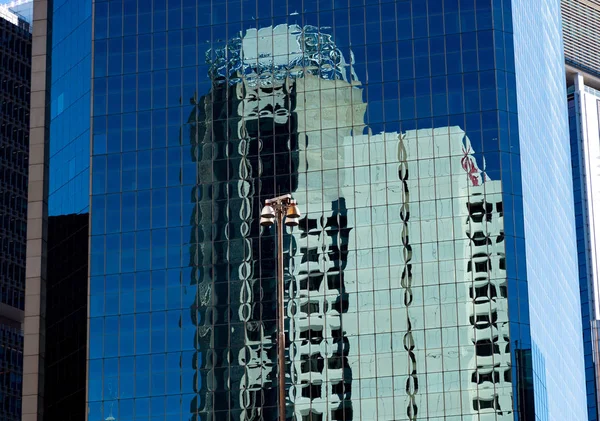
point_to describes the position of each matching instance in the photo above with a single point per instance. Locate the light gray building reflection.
(396, 277)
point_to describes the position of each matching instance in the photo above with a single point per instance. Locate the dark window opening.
(341, 303)
(312, 416)
(500, 208)
(310, 307)
(312, 391)
(341, 388)
(478, 210)
(315, 336)
(342, 413)
(335, 281)
(484, 321)
(486, 348)
(480, 239)
(315, 364)
(479, 378)
(481, 403)
(485, 291)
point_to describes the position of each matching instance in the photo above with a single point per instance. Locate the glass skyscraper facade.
(410, 133)
(69, 145)
(68, 178)
(549, 232)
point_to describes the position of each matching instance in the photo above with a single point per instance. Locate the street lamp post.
(274, 212)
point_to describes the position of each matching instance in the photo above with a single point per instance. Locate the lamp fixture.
(276, 211)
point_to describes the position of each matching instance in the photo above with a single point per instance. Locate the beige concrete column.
(37, 218)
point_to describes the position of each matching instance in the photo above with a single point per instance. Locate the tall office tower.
(584, 118)
(55, 361)
(15, 74)
(582, 57)
(414, 135)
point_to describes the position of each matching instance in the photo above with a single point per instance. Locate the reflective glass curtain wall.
(70, 107)
(69, 65)
(551, 247)
(394, 125)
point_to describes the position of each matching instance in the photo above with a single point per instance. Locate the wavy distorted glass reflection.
(402, 213)
(239, 288)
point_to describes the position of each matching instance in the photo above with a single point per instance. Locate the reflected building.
(235, 276)
(274, 126)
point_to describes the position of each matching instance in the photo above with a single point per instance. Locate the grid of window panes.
(550, 239)
(11, 376)
(15, 75)
(69, 143)
(69, 67)
(394, 126)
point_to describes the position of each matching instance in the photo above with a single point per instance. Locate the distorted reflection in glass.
(412, 215)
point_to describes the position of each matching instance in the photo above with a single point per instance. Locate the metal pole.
(280, 313)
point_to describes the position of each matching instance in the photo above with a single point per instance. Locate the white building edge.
(584, 97)
(7, 13)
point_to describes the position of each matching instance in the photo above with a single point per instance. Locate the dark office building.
(15, 74)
